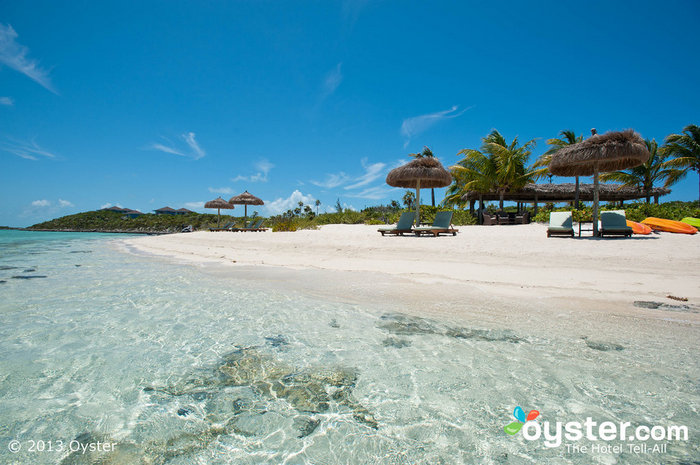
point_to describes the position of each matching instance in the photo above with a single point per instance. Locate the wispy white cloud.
(65, 203)
(275, 207)
(418, 124)
(7, 101)
(374, 193)
(193, 149)
(41, 203)
(263, 166)
(29, 150)
(221, 190)
(195, 205)
(194, 146)
(14, 55)
(332, 181)
(332, 80)
(372, 172)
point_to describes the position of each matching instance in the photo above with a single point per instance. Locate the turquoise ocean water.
(178, 366)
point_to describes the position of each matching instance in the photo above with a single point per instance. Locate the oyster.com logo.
(519, 414)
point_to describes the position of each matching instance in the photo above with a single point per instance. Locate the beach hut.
(612, 151)
(423, 172)
(245, 199)
(219, 203)
(165, 211)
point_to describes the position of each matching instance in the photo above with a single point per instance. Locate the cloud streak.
(7, 101)
(263, 166)
(27, 150)
(221, 190)
(332, 80)
(193, 149)
(415, 125)
(371, 173)
(14, 55)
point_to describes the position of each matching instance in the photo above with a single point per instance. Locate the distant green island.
(110, 221)
(304, 218)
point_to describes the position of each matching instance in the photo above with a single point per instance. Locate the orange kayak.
(639, 228)
(659, 224)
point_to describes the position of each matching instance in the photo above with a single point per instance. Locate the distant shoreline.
(105, 231)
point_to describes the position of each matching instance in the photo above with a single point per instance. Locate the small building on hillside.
(116, 209)
(133, 213)
(170, 211)
(166, 211)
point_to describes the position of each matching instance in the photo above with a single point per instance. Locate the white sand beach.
(502, 265)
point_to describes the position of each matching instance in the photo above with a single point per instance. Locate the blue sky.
(154, 103)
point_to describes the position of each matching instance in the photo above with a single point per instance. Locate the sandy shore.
(552, 277)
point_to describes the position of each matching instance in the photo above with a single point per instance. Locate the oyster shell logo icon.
(519, 414)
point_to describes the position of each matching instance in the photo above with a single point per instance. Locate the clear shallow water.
(178, 367)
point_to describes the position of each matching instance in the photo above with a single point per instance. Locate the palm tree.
(497, 166)
(408, 199)
(685, 152)
(645, 176)
(318, 203)
(426, 153)
(566, 137)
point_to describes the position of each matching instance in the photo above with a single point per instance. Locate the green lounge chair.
(226, 227)
(252, 226)
(560, 224)
(614, 223)
(441, 225)
(403, 226)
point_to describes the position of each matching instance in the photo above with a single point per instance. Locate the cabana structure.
(566, 192)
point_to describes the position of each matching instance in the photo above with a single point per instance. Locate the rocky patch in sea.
(652, 305)
(405, 325)
(241, 397)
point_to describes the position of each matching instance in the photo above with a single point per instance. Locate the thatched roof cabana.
(422, 172)
(566, 192)
(612, 151)
(428, 171)
(219, 203)
(246, 198)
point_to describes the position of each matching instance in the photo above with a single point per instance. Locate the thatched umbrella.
(219, 203)
(612, 151)
(246, 199)
(423, 172)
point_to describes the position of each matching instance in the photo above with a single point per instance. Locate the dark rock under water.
(29, 277)
(405, 325)
(602, 346)
(651, 305)
(234, 397)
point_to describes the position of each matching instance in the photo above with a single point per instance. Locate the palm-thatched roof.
(566, 192)
(612, 151)
(428, 170)
(219, 203)
(246, 198)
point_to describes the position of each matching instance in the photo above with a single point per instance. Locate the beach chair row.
(253, 226)
(612, 223)
(441, 225)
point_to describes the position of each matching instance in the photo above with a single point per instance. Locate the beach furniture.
(441, 225)
(254, 226)
(490, 220)
(226, 227)
(403, 226)
(614, 223)
(503, 217)
(522, 218)
(560, 224)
